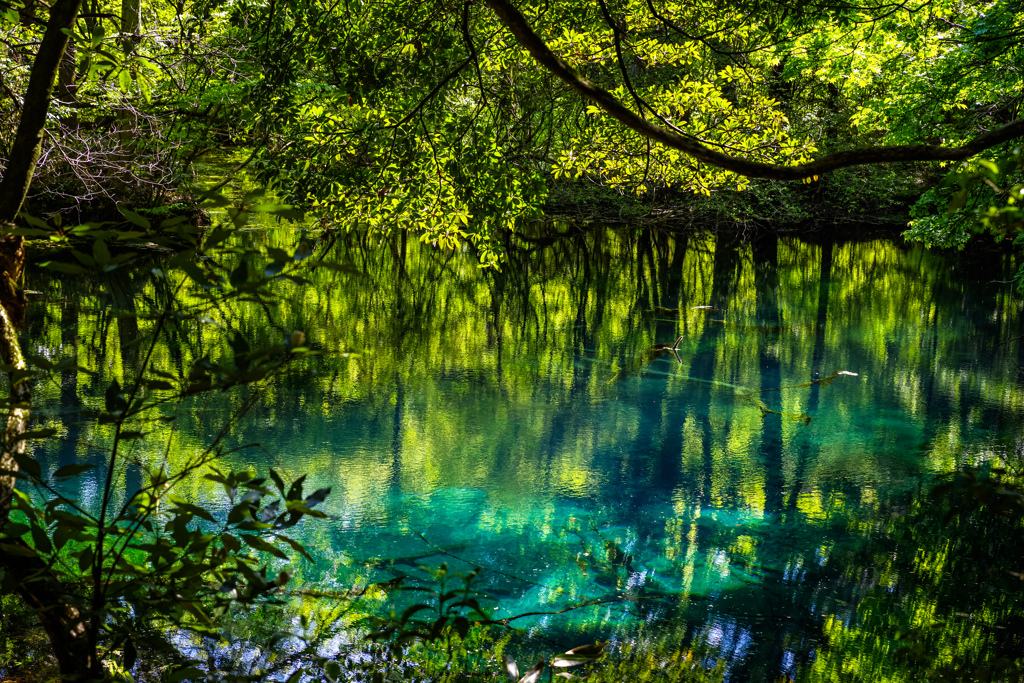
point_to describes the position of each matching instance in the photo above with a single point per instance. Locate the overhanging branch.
(525, 36)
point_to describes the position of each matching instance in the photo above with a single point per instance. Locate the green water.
(522, 422)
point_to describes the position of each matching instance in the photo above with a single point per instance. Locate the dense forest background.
(434, 118)
(461, 125)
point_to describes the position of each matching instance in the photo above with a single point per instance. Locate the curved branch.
(526, 37)
(430, 95)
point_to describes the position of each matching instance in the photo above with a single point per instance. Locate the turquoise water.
(524, 422)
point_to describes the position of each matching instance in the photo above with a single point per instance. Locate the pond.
(715, 440)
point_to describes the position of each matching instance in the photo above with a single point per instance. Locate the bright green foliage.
(445, 126)
(984, 196)
(930, 71)
(428, 117)
(434, 120)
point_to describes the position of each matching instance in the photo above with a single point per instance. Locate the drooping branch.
(525, 36)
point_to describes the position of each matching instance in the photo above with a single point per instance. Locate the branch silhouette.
(525, 36)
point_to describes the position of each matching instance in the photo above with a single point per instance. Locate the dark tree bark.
(28, 140)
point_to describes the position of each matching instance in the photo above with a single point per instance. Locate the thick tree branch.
(526, 37)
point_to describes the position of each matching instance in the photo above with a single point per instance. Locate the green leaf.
(989, 165)
(100, 253)
(41, 540)
(28, 465)
(296, 546)
(14, 530)
(171, 222)
(230, 542)
(37, 434)
(278, 482)
(18, 550)
(60, 267)
(214, 200)
(41, 362)
(72, 470)
(239, 275)
(115, 402)
(85, 556)
(317, 497)
(196, 273)
(181, 507)
(219, 235)
(295, 491)
(62, 534)
(957, 202)
(273, 268)
(188, 673)
(239, 217)
(258, 543)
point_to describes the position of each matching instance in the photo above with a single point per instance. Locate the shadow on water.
(595, 419)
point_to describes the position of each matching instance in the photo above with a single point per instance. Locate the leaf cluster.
(137, 568)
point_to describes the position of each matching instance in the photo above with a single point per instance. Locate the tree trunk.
(64, 623)
(131, 24)
(67, 85)
(28, 140)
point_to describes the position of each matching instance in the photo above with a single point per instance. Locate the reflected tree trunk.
(122, 289)
(766, 285)
(396, 435)
(646, 295)
(70, 403)
(667, 472)
(817, 359)
(725, 272)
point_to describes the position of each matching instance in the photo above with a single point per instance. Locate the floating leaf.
(511, 669)
(579, 655)
(533, 675)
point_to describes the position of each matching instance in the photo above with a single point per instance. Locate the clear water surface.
(526, 422)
